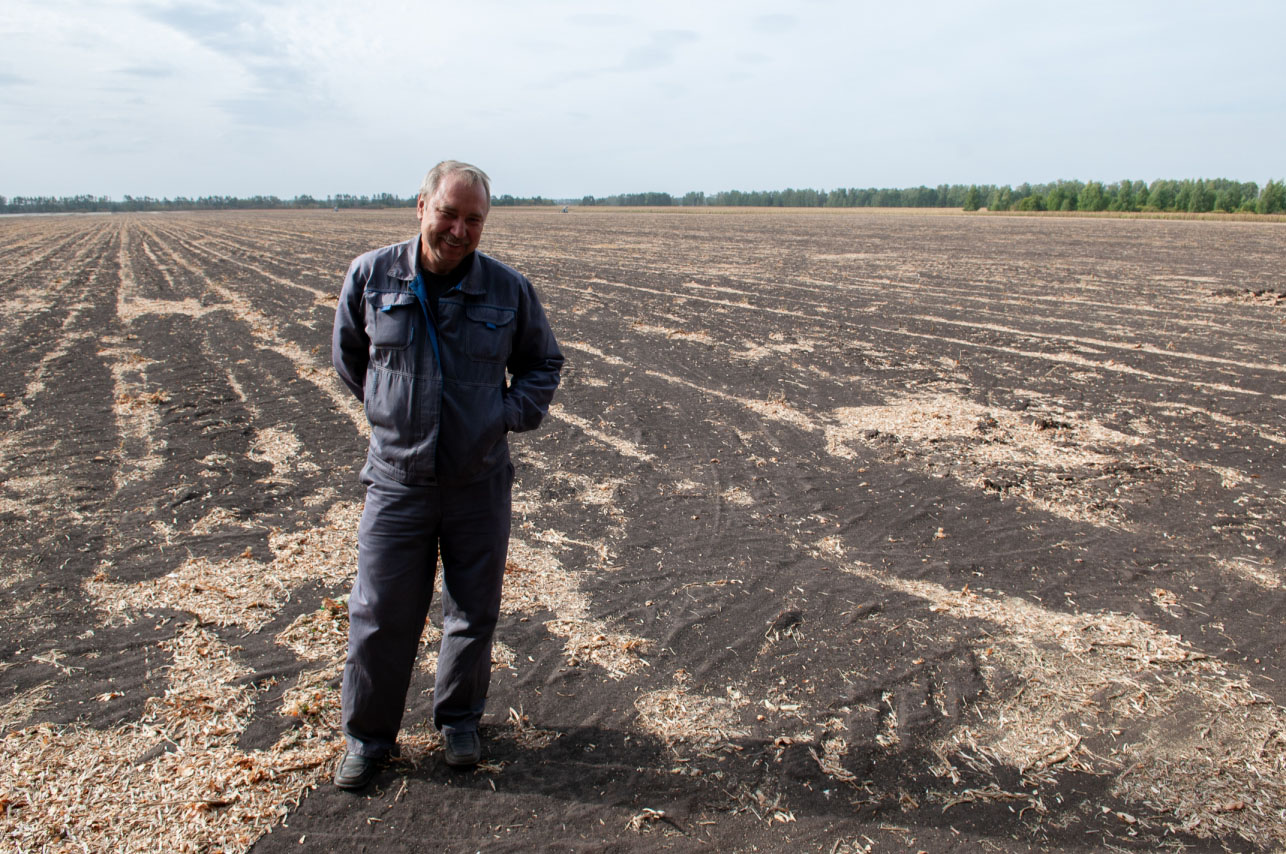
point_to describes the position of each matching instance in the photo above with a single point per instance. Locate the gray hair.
(472, 175)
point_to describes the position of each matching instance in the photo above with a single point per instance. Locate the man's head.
(452, 208)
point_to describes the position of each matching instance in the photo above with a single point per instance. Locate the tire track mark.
(38, 284)
(1079, 361)
(1128, 348)
(263, 330)
(1070, 359)
(1071, 663)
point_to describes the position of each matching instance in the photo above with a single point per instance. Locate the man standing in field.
(424, 334)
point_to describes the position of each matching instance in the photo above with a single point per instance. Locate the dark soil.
(742, 545)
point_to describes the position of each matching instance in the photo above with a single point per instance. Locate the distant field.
(848, 532)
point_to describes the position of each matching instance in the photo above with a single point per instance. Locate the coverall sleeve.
(534, 362)
(350, 348)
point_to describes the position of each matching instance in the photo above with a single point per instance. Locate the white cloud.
(570, 97)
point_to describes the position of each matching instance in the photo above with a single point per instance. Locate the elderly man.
(425, 333)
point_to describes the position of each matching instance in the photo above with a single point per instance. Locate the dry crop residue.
(848, 531)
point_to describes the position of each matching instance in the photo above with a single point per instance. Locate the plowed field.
(848, 532)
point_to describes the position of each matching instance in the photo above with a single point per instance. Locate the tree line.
(106, 204)
(1164, 195)
(1187, 196)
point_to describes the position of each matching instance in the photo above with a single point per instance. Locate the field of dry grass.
(848, 531)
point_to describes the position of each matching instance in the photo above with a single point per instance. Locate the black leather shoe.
(356, 771)
(463, 749)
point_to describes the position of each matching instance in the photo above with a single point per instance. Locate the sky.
(566, 98)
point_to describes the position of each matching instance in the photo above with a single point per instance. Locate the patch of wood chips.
(218, 519)
(1260, 572)
(737, 497)
(137, 414)
(536, 581)
(320, 635)
(281, 448)
(672, 334)
(1114, 695)
(242, 591)
(173, 781)
(1056, 456)
(775, 346)
(19, 709)
(679, 715)
(32, 494)
(315, 698)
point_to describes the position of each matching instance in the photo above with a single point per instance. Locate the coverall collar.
(406, 264)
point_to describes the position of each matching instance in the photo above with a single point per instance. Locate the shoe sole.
(353, 784)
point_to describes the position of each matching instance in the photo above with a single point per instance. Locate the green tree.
(1122, 197)
(1054, 198)
(1140, 194)
(1272, 199)
(1202, 198)
(1062, 196)
(972, 199)
(1161, 195)
(1092, 197)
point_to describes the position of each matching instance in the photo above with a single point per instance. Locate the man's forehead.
(458, 186)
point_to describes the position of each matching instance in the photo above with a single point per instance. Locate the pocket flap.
(493, 316)
(387, 300)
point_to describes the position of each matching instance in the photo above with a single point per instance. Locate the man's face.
(451, 223)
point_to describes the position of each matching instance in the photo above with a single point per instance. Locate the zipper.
(422, 297)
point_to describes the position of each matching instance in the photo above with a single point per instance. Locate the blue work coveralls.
(438, 475)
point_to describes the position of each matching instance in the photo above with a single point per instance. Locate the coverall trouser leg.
(402, 531)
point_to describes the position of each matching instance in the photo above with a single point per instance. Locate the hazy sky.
(151, 97)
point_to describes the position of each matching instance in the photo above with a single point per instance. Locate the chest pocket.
(488, 332)
(390, 319)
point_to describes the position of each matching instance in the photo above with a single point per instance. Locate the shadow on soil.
(749, 794)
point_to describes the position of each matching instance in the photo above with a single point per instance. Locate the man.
(424, 334)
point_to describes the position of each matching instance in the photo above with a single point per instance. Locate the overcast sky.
(565, 98)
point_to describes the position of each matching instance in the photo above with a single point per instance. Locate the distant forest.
(1163, 195)
(1187, 196)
